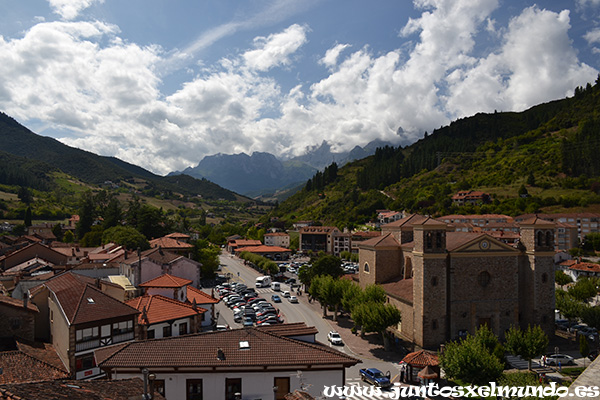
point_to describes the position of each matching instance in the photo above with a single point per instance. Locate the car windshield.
(335, 335)
(378, 374)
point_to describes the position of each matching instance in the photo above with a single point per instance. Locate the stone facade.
(449, 283)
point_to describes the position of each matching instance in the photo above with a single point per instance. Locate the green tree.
(25, 195)
(58, 232)
(93, 238)
(561, 278)
(69, 237)
(27, 220)
(583, 290)
(113, 214)
(87, 214)
(527, 344)
(327, 265)
(208, 255)
(376, 317)
(125, 236)
(471, 361)
(584, 347)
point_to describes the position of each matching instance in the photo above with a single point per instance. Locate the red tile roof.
(200, 296)
(200, 350)
(263, 249)
(401, 289)
(170, 243)
(18, 303)
(408, 221)
(421, 359)
(44, 352)
(387, 240)
(166, 281)
(585, 267)
(30, 363)
(177, 235)
(126, 389)
(160, 309)
(289, 330)
(82, 302)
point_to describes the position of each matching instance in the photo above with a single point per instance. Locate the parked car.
(290, 281)
(564, 359)
(334, 338)
(293, 299)
(222, 327)
(248, 321)
(276, 299)
(286, 293)
(375, 377)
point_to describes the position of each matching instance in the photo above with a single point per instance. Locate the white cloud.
(536, 63)
(332, 55)
(276, 49)
(84, 78)
(70, 9)
(593, 36)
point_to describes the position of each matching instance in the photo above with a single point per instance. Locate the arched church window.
(366, 267)
(484, 278)
(428, 240)
(549, 239)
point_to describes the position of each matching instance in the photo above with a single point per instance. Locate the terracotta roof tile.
(18, 303)
(406, 221)
(160, 309)
(126, 389)
(264, 249)
(166, 281)
(170, 243)
(29, 366)
(401, 289)
(291, 329)
(200, 296)
(586, 267)
(200, 350)
(421, 359)
(387, 240)
(44, 352)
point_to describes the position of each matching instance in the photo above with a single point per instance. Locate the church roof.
(387, 240)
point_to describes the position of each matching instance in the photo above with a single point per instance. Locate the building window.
(167, 331)
(549, 239)
(428, 240)
(150, 334)
(83, 335)
(544, 277)
(434, 324)
(183, 328)
(540, 238)
(84, 362)
(484, 278)
(438, 240)
(366, 268)
(194, 389)
(434, 281)
(122, 327)
(232, 386)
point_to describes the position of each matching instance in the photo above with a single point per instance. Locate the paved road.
(293, 313)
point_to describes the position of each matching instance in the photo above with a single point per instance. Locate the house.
(78, 317)
(128, 389)
(470, 197)
(341, 242)
(173, 245)
(279, 239)
(586, 223)
(317, 238)
(34, 250)
(161, 317)
(583, 269)
(448, 283)
(167, 285)
(387, 216)
(270, 252)
(233, 245)
(26, 361)
(154, 262)
(18, 318)
(204, 300)
(250, 361)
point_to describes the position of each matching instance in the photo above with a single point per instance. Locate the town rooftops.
(81, 301)
(290, 329)
(246, 347)
(160, 309)
(323, 230)
(199, 296)
(125, 389)
(31, 362)
(421, 359)
(585, 267)
(170, 243)
(387, 240)
(17, 303)
(263, 249)
(166, 281)
(407, 221)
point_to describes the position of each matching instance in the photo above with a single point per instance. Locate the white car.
(334, 338)
(293, 299)
(563, 359)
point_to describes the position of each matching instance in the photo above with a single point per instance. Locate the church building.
(448, 283)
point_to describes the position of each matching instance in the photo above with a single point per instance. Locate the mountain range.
(262, 173)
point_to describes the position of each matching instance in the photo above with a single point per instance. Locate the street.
(299, 312)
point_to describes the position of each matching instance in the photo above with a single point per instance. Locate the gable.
(481, 243)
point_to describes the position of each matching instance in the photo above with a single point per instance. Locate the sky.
(162, 84)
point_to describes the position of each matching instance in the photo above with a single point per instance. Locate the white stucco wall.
(255, 385)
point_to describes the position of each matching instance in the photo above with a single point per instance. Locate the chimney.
(25, 300)
(195, 305)
(220, 355)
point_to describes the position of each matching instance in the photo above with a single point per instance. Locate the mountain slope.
(19, 141)
(550, 150)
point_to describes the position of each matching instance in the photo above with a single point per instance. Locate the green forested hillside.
(35, 156)
(547, 153)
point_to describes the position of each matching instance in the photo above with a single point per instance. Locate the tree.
(471, 361)
(58, 232)
(69, 237)
(87, 214)
(327, 265)
(527, 344)
(208, 255)
(125, 236)
(376, 317)
(93, 238)
(25, 195)
(562, 279)
(584, 347)
(27, 220)
(113, 214)
(583, 290)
